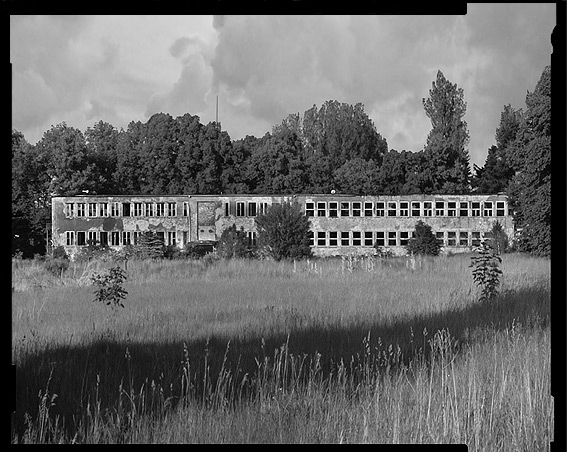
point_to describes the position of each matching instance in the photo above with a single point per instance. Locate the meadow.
(260, 351)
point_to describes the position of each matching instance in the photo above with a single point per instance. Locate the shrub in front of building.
(424, 242)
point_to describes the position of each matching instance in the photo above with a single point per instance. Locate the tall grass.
(250, 351)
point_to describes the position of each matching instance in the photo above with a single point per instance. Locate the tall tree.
(68, 164)
(358, 176)
(530, 157)
(446, 152)
(101, 141)
(30, 198)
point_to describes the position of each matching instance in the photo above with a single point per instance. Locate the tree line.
(332, 147)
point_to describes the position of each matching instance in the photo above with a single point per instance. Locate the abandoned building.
(340, 224)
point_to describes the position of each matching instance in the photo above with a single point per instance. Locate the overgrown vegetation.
(260, 351)
(283, 232)
(486, 271)
(423, 241)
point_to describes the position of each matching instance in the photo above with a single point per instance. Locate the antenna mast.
(217, 111)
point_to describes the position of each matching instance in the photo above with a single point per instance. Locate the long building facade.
(340, 224)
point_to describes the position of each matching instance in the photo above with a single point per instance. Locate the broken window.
(333, 235)
(251, 209)
(69, 238)
(92, 238)
(440, 235)
(427, 209)
(126, 238)
(263, 208)
(500, 209)
(345, 238)
(69, 209)
(161, 236)
(404, 237)
(475, 238)
(310, 209)
(135, 237)
(149, 209)
(171, 238)
(415, 209)
(185, 237)
(463, 238)
(392, 238)
(80, 209)
(440, 208)
(487, 209)
(356, 238)
(126, 209)
(81, 238)
(114, 209)
(345, 209)
(92, 209)
(475, 207)
(103, 238)
(251, 236)
(321, 209)
(356, 209)
(311, 238)
(138, 209)
(103, 209)
(451, 238)
(368, 209)
(380, 209)
(368, 238)
(404, 209)
(171, 209)
(464, 209)
(380, 238)
(240, 209)
(186, 209)
(160, 209)
(115, 238)
(391, 209)
(452, 209)
(333, 209)
(321, 240)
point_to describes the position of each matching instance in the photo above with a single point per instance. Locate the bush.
(424, 241)
(56, 265)
(233, 243)
(283, 232)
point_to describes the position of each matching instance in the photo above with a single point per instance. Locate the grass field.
(258, 351)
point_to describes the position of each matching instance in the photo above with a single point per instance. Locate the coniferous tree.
(446, 153)
(530, 157)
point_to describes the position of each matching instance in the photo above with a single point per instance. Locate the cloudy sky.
(82, 69)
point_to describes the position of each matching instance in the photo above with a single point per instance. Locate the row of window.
(117, 238)
(320, 209)
(124, 209)
(245, 209)
(391, 238)
(120, 238)
(404, 209)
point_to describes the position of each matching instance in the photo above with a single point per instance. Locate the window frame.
(414, 209)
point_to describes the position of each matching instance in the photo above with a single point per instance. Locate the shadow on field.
(90, 378)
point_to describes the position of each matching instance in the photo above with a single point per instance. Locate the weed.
(110, 290)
